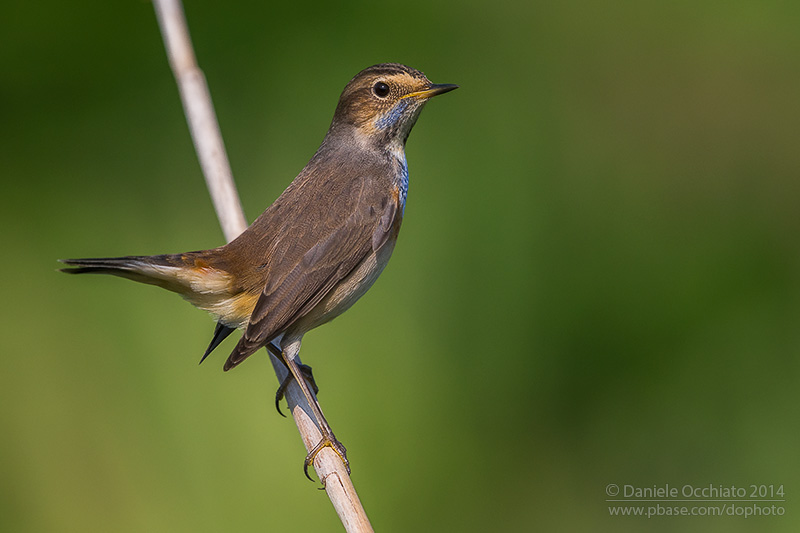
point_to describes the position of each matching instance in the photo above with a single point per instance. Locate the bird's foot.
(327, 441)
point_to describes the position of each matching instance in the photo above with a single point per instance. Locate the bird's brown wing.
(314, 252)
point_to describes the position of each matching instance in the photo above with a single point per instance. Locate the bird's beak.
(431, 91)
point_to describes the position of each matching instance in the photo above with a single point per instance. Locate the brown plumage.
(323, 242)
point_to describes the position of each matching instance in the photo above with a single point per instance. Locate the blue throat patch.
(391, 117)
(389, 120)
(402, 182)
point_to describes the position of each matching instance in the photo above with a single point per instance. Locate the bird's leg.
(328, 439)
(281, 392)
(304, 369)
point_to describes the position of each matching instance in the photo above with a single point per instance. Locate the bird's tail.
(181, 273)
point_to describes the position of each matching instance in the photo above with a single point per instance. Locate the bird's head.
(383, 102)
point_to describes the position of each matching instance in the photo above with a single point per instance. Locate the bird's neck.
(381, 150)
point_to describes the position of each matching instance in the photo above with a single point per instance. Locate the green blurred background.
(598, 278)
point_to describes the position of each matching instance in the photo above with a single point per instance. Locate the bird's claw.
(327, 441)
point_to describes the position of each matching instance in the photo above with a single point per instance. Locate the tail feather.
(161, 270)
(196, 276)
(221, 332)
(104, 265)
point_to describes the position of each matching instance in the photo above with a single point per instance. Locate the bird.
(318, 247)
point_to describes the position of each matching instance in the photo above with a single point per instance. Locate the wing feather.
(313, 256)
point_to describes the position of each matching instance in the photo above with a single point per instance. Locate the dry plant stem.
(201, 117)
(329, 467)
(216, 169)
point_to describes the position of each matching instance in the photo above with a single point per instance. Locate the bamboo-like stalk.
(219, 179)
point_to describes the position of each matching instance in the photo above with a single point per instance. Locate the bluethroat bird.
(319, 247)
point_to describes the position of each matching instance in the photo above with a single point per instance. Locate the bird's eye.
(380, 89)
